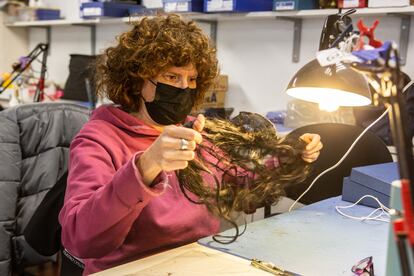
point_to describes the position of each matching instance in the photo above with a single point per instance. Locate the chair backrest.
(34, 150)
(336, 139)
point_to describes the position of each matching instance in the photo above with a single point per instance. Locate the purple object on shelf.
(277, 117)
(110, 9)
(237, 5)
(47, 14)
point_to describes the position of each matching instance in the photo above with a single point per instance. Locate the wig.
(153, 45)
(253, 168)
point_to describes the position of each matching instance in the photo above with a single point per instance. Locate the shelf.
(365, 11)
(65, 22)
(221, 16)
(213, 18)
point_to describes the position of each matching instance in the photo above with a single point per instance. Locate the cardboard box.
(388, 3)
(214, 99)
(221, 83)
(237, 5)
(289, 5)
(183, 5)
(345, 4)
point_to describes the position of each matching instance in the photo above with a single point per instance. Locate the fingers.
(179, 155)
(314, 150)
(183, 133)
(313, 147)
(199, 123)
(175, 147)
(174, 165)
(311, 157)
(175, 143)
(311, 139)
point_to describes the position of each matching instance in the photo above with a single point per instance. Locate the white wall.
(13, 44)
(255, 54)
(257, 57)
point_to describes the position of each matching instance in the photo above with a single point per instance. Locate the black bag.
(80, 72)
(43, 231)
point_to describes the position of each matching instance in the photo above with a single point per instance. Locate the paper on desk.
(200, 263)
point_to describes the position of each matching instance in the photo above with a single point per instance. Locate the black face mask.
(171, 104)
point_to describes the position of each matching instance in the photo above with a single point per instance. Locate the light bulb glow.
(328, 97)
(328, 106)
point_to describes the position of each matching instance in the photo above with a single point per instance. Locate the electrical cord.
(341, 160)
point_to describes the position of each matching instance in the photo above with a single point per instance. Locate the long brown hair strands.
(254, 163)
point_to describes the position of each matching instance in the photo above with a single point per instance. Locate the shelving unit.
(221, 16)
(213, 18)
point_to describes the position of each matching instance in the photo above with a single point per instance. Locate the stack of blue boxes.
(217, 5)
(237, 5)
(108, 9)
(99, 8)
(288, 5)
(372, 180)
(183, 5)
(47, 14)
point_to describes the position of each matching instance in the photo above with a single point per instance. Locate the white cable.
(384, 210)
(340, 161)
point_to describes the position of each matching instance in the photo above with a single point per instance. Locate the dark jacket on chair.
(34, 142)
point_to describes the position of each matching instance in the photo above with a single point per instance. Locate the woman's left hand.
(313, 147)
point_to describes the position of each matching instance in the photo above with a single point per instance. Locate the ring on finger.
(184, 144)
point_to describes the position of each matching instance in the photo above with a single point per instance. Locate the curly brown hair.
(152, 46)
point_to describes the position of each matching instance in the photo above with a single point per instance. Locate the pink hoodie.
(110, 216)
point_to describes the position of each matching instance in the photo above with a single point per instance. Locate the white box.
(388, 3)
(219, 5)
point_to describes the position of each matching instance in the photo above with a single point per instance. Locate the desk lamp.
(330, 87)
(344, 84)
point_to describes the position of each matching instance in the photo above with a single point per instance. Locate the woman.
(123, 200)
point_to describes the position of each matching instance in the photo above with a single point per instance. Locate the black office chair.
(336, 139)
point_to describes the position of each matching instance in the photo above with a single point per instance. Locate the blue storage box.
(183, 5)
(374, 180)
(47, 14)
(237, 5)
(353, 191)
(110, 9)
(378, 177)
(289, 5)
(138, 10)
(30, 14)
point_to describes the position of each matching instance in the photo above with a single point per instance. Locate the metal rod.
(32, 55)
(41, 83)
(402, 250)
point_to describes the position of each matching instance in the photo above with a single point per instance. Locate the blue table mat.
(313, 240)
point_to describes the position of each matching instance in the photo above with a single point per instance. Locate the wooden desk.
(189, 260)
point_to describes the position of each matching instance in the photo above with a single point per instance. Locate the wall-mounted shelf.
(212, 18)
(222, 16)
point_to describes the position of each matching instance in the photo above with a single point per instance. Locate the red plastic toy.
(367, 32)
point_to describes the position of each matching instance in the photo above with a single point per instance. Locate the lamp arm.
(41, 83)
(390, 91)
(41, 48)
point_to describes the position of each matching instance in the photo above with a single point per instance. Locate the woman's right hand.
(166, 153)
